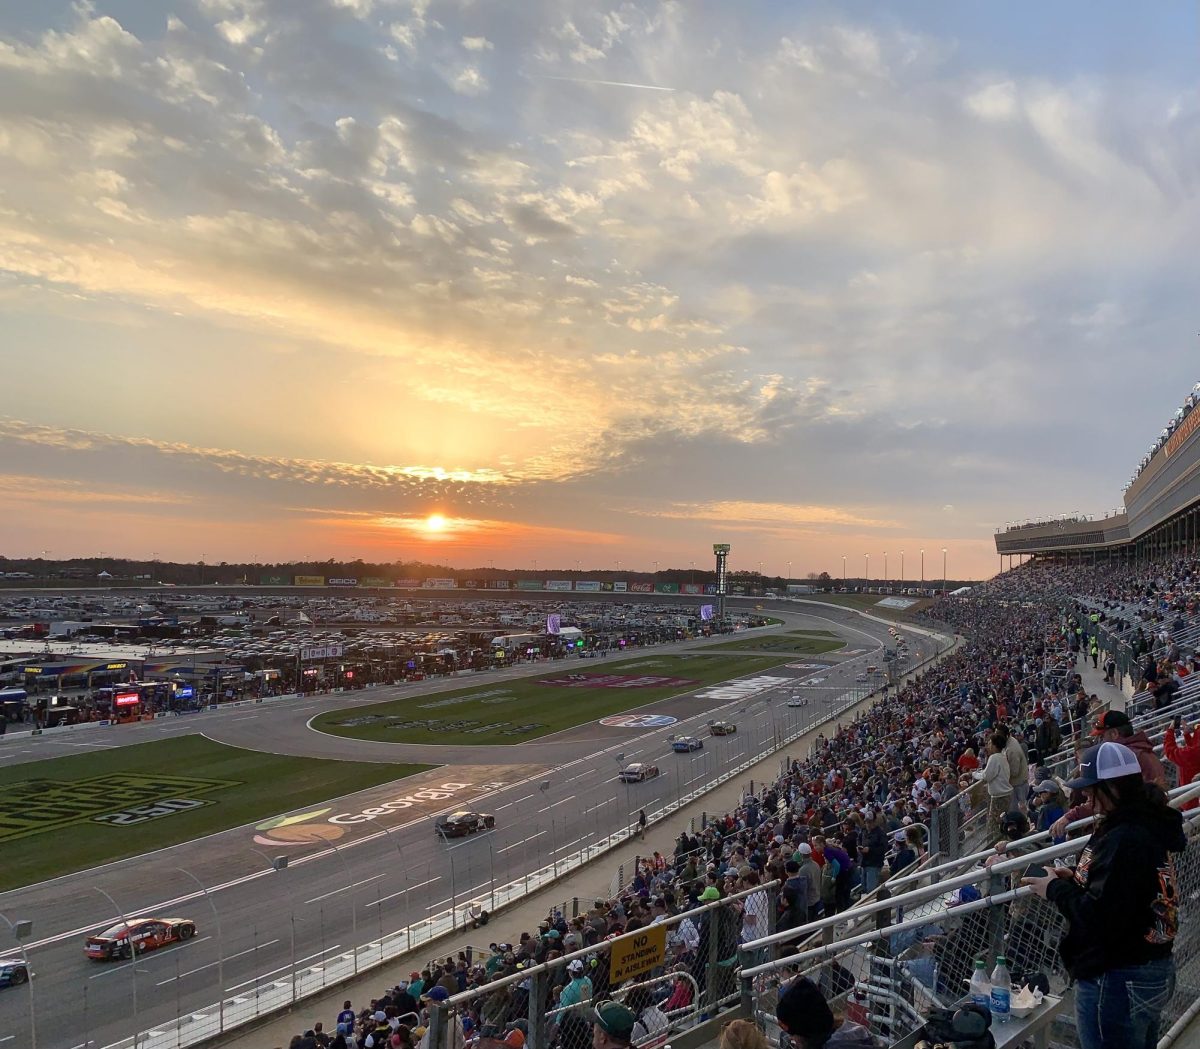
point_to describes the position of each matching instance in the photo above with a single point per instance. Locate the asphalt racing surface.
(363, 866)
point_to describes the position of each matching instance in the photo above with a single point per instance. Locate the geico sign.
(442, 792)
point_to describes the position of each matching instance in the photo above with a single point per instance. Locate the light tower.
(722, 552)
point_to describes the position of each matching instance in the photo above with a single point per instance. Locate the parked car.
(722, 728)
(638, 772)
(460, 824)
(686, 744)
(140, 935)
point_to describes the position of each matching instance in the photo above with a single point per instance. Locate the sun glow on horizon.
(435, 523)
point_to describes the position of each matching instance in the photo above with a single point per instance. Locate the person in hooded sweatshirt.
(1121, 904)
(809, 1023)
(1114, 726)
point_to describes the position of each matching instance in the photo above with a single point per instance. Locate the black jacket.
(1121, 906)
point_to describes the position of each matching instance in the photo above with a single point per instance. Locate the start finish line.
(750, 686)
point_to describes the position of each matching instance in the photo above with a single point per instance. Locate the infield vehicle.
(13, 971)
(460, 824)
(140, 935)
(638, 772)
(722, 728)
(686, 744)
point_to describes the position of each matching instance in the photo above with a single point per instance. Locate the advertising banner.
(441, 584)
(374, 580)
(641, 588)
(343, 581)
(691, 588)
(558, 584)
(587, 586)
(738, 588)
(666, 588)
(706, 612)
(322, 652)
(529, 584)
(607, 586)
(710, 588)
(471, 584)
(274, 580)
(498, 584)
(553, 623)
(620, 586)
(310, 580)
(408, 584)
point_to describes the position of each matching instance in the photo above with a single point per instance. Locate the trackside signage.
(637, 953)
(443, 792)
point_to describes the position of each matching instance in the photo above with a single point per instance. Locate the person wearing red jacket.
(1186, 757)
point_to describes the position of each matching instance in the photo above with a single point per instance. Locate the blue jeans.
(870, 878)
(1121, 1008)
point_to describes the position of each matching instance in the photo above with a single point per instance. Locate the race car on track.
(796, 700)
(638, 772)
(12, 972)
(140, 935)
(722, 728)
(686, 744)
(460, 824)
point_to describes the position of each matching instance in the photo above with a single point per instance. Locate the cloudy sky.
(587, 281)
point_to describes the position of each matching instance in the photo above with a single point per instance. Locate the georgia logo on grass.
(295, 830)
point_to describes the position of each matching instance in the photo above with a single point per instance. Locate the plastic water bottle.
(981, 987)
(1001, 991)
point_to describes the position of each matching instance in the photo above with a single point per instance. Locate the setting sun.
(435, 523)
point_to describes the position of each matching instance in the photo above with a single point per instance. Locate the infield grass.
(48, 808)
(526, 708)
(796, 642)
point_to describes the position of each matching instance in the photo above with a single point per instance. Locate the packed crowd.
(852, 815)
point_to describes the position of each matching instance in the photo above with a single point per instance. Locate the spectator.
(1186, 757)
(999, 787)
(612, 1026)
(1120, 904)
(1114, 726)
(1048, 806)
(805, 1016)
(742, 1034)
(652, 1023)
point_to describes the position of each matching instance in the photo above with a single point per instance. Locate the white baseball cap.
(575, 966)
(1104, 762)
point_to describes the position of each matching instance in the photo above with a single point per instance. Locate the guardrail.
(289, 988)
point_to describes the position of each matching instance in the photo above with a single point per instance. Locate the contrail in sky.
(604, 83)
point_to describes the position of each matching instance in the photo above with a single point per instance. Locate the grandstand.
(1160, 517)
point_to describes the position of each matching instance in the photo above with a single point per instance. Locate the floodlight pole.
(21, 929)
(132, 960)
(220, 946)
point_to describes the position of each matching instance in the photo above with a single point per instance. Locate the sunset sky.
(593, 282)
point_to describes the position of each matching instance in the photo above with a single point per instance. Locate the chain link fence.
(674, 973)
(885, 964)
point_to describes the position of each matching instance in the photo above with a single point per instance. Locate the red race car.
(140, 935)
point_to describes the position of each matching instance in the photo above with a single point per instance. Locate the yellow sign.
(310, 580)
(637, 953)
(116, 666)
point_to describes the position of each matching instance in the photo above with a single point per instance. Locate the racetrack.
(372, 861)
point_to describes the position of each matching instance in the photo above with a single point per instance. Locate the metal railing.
(918, 951)
(629, 966)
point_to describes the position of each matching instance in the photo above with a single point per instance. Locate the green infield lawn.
(796, 642)
(68, 814)
(527, 708)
